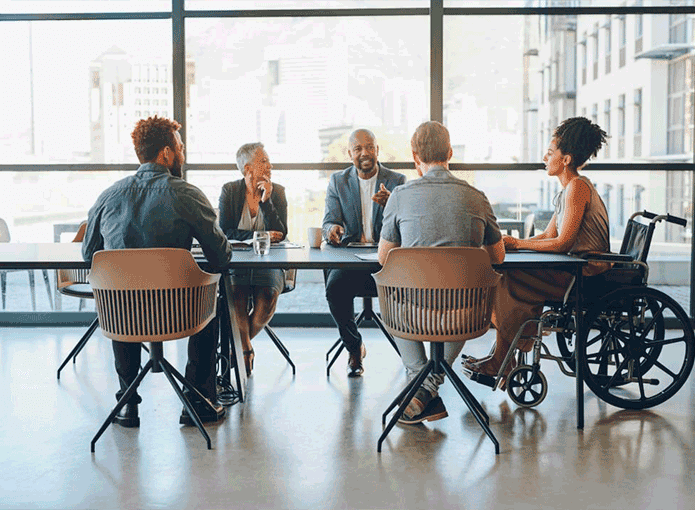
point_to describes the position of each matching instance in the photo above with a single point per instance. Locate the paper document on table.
(367, 256)
(362, 245)
(285, 244)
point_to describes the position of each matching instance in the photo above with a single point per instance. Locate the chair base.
(281, 347)
(438, 365)
(157, 363)
(80, 345)
(367, 314)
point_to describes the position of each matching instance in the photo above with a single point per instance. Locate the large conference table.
(69, 256)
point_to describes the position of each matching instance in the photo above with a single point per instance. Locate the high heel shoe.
(249, 356)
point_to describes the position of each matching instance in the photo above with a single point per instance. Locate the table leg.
(579, 347)
(235, 355)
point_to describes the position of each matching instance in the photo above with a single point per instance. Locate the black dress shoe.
(128, 416)
(354, 364)
(204, 412)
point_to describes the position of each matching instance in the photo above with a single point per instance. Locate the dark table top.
(69, 256)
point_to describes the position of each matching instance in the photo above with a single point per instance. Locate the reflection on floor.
(310, 441)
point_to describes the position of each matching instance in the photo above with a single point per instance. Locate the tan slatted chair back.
(151, 294)
(438, 294)
(73, 282)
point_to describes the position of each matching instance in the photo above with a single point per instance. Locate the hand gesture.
(335, 234)
(381, 196)
(265, 188)
(275, 236)
(510, 243)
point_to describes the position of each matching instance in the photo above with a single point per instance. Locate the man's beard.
(177, 168)
(370, 162)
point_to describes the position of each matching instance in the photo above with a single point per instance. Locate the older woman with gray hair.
(251, 204)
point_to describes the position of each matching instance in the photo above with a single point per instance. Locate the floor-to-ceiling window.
(301, 75)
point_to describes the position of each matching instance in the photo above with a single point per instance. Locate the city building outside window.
(585, 57)
(622, 40)
(621, 126)
(678, 24)
(639, 29)
(676, 106)
(608, 43)
(637, 119)
(594, 45)
(607, 126)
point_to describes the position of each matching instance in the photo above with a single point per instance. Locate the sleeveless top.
(593, 234)
(247, 222)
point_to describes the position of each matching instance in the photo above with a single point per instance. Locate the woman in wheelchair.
(579, 226)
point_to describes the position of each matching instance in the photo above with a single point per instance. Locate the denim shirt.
(154, 209)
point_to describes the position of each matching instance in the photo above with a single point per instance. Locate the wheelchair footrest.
(484, 379)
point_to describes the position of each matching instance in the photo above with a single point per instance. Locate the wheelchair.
(638, 342)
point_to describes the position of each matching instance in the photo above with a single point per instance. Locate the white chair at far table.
(437, 295)
(153, 295)
(5, 237)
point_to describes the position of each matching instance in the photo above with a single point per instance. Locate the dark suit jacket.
(344, 207)
(232, 203)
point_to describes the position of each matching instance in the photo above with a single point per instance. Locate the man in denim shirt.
(155, 208)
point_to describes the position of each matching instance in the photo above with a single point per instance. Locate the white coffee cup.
(261, 242)
(314, 235)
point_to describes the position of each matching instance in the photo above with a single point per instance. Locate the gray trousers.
(414, 358)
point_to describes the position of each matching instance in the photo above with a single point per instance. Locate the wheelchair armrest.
(608, 257)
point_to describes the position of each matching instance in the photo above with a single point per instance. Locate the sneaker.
(434, 411)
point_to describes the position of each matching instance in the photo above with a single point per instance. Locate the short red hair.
(151, 135)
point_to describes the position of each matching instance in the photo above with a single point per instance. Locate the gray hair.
(245, 155)
(431, 142)
(353, 135)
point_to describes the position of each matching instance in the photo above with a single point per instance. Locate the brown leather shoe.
(354, 364)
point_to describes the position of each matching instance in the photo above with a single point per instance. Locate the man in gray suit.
(355, 202)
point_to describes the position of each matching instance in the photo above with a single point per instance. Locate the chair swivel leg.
(478, 413)
(78, 348)
(340, 346)
(281, 347)
(170, 372)
(124, 399)
(388, 335)
(402, 400)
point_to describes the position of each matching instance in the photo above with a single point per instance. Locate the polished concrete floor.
(310, 441)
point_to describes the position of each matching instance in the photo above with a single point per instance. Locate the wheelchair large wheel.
(565, 339)
(629, 359)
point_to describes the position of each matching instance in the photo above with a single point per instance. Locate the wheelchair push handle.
(656, 217)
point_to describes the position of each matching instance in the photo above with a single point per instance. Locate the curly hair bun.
(580, 138)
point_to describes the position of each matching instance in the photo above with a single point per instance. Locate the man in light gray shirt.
(436, 210)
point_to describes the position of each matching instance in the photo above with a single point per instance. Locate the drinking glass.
(261, 242)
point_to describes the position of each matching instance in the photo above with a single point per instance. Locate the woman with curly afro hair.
(579, 226)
